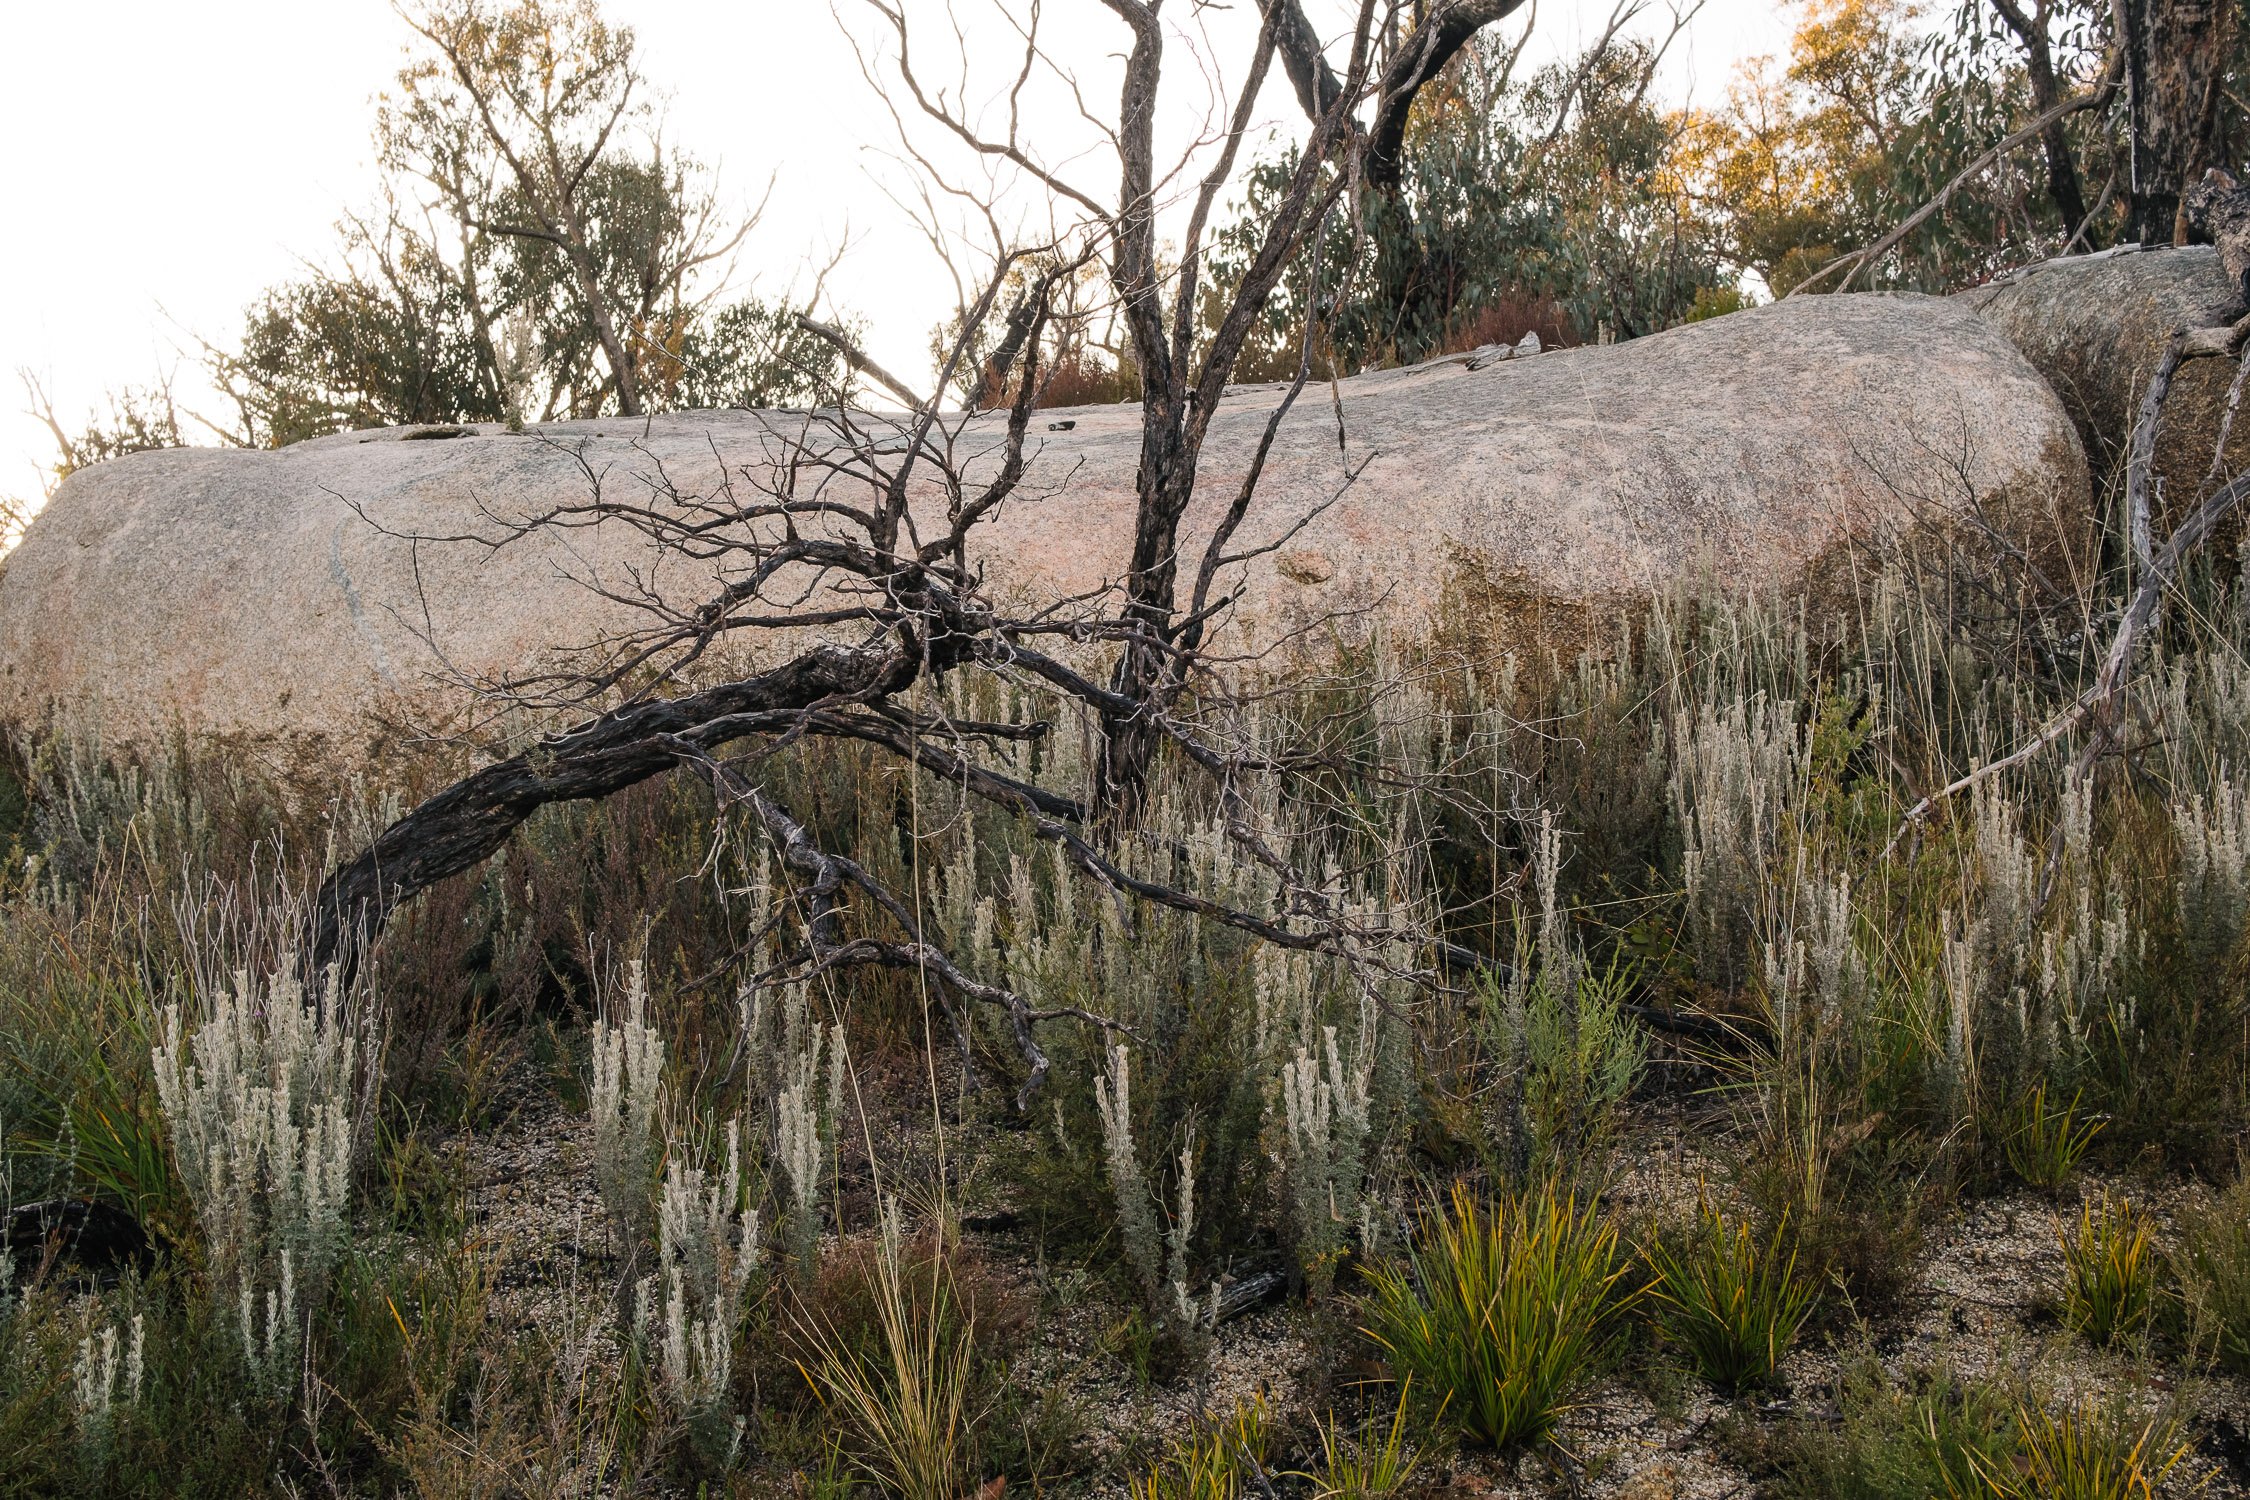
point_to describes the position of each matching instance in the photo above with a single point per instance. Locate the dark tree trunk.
(469, 821)
(2063, 185)
(1439, 31)
(1146, 670)
(2175, 71)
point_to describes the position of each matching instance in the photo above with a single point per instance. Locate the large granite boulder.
(271, 600)
(2096, 325)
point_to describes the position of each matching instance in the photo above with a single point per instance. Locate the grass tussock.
(906, 1401)
(2110, 1270)
(1731, 1303)
(2212, 1265)
(1222, 1459)
(2085, 1452)
(1375, 1462)
(2043, 1142)
(1500, 1311)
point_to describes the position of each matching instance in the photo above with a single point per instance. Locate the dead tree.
(1180, 389)
(829, 540)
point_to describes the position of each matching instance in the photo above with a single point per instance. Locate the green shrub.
(1190, 994)
(1931, 1434)
(2109, 1271)
(1564, 1047)
(1731, 1303)
(1499, 1311)
(1864, 1231)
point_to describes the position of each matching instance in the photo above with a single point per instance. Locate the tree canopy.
(542, 250)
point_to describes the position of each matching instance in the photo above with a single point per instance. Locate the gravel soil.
(1982, 1305)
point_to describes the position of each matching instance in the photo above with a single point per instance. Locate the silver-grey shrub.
(106, 1377)
(260, 1098)
(1326, 1099)
(1334, 1038)
(794, 1083)
(2214, 885)
(626, 1094)
(1737, 784)
(688, 1309)
(1164, 1278)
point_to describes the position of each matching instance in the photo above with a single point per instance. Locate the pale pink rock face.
(247, 596)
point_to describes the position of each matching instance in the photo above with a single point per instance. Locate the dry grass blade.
(908, 1404)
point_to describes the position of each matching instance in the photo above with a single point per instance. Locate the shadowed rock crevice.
(2096, 327)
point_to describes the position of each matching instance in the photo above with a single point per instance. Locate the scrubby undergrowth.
(1768, 1146)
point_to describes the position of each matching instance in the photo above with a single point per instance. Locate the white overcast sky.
(167, 160)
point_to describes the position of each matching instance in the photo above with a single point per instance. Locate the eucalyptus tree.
(605, 210)
(541, 249)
